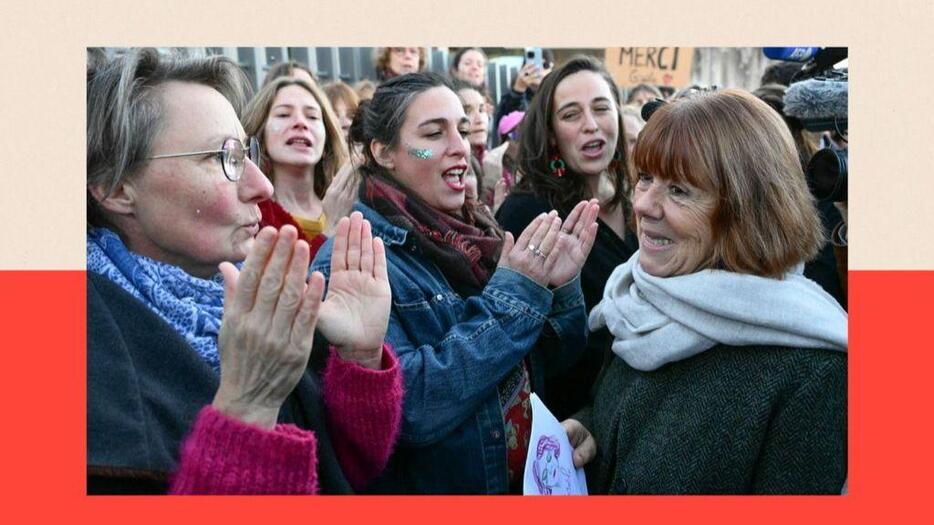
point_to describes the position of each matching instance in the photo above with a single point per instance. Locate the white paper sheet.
(549, 467)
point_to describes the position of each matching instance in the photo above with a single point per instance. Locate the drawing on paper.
(549, 475)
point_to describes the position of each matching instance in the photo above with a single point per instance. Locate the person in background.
(291, 69)
(475, 107)
(302, 151)
(642, 93)
(633, 124)
(394, 61)
(344, 101)
(184, 341)
(572, 147)
(723, 352)
(478, 317)
(667, 92)
(499, 164)
(469, 65)
(364, 89)
(524, 87)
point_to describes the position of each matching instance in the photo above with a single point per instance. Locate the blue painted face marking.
(420, 153)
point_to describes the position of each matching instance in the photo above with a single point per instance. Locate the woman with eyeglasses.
(478, 318)
(572, 146)
(394, 61)
(183, 339)
(303, 152)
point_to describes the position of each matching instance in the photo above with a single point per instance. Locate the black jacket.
(145, 388)
(510, 101)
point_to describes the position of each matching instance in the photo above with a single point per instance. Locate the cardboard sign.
(662, 66)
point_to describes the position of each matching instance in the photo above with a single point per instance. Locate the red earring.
(556, 165)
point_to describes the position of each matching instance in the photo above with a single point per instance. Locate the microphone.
(820, 103)
(790, 54)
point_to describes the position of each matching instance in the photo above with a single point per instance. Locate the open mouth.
(454, 177)
(655, 241)
(594, 148)
(300, 142)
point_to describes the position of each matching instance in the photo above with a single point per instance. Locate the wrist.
(371, 359)
(261, 416)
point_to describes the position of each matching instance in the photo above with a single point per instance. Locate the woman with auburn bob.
(302, 151)
(572, 147)
(176, 347)
(478, 317)
(729, 373)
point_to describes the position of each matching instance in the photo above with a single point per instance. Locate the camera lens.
(826, 175)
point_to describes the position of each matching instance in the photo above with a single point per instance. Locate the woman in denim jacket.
(478, 319)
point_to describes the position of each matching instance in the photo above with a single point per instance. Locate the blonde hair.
(339, 91)
(335, 149)
(735, 146)
(364, 89)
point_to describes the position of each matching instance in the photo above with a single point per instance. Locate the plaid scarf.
(465, 249)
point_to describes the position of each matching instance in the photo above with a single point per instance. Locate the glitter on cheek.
(275, 127)
(420, 153)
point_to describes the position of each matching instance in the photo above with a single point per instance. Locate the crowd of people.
(357, 289)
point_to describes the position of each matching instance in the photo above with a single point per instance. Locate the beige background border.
(42, 52)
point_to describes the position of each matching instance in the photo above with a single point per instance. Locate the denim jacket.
(453, 353)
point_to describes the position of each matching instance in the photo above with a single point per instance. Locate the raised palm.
(355, 313)
(574, 242)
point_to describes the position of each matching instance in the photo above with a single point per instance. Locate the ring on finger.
(540, 253)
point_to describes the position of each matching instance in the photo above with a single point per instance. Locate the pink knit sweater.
(225, 456)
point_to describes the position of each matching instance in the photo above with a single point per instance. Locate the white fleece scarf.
(657, 320)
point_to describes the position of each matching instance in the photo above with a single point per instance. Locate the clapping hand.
(533, 254)
(355, 314)
(574, 241)
(268, 327)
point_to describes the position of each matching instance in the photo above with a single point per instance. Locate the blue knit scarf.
(192, 306)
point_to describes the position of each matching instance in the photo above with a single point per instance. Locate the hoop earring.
(557, 165)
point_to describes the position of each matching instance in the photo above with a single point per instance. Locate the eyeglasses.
(232, 155)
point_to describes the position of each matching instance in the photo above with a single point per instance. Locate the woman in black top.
(573, 147)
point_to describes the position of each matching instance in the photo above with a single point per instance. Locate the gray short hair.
(124, 111)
